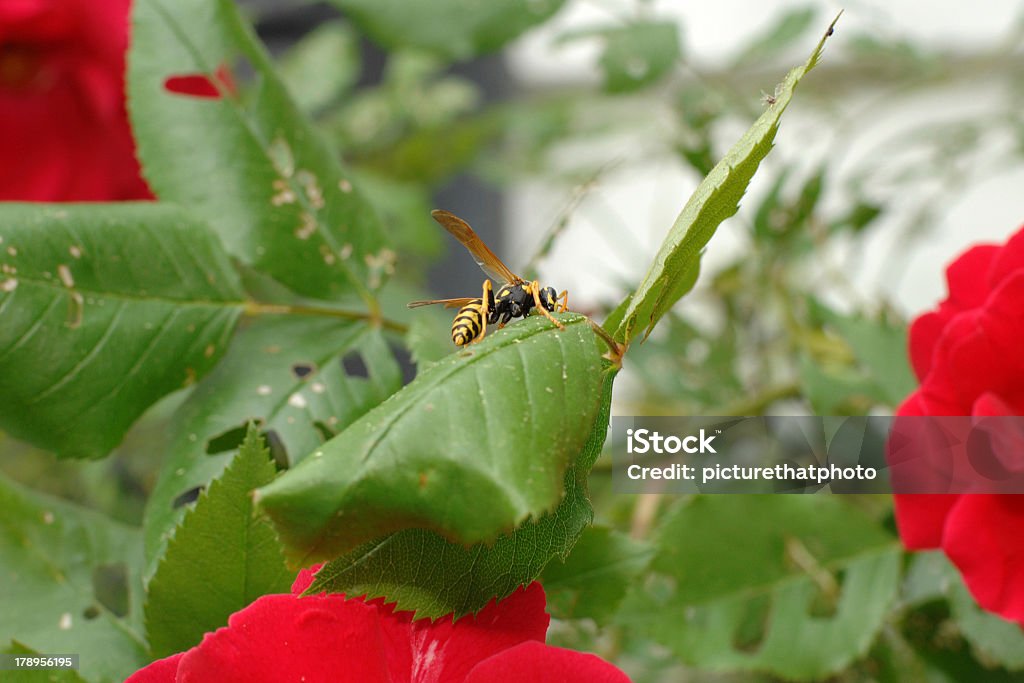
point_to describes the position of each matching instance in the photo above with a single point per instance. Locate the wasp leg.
(564, 298)
(535, 290)
(485, 304)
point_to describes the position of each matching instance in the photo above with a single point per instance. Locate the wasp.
(515, 298)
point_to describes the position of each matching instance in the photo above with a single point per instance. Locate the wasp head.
(548, 298)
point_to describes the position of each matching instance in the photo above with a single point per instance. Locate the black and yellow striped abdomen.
(469, 322)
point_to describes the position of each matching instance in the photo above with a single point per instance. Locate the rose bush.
(327, 638)
(969, 357)
(64, 132)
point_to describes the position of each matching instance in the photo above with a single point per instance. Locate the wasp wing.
(484, 257)
(448, 303)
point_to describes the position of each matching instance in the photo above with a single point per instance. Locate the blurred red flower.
(64, 132)
(327, 638)
(969, 357)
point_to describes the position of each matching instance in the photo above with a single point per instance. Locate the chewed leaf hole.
(825, 602)
(202, 85)
(192, 85)
(110, 587)
(187, 498)
(226, 441)
(753, 625)
(326, 433)
(354, 365)
(278, 451)
(303, 370)
(404, 359)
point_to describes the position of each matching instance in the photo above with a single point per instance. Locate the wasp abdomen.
(469, 322)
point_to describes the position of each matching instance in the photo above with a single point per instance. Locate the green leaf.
(834, 389)
(787, 28)
(714, 200)
(222, 557)
(592, 581)
(456, 29)
(103, 310)
(880, 347)
(324, 65)
(993, 639)
(420, 571)
(54, 558)
(289, 374)
(253, 166)
(473, 446)
(638, 54)
(859, 217)
(737, 580)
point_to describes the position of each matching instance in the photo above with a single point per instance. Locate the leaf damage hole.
(404, 360)
(278, 451)
(110, 588)
(930, 627)
(825, 602)
(192, 85)
(202, 86)
(187, 498)
(354, 365)
(303, 370)
(326, 433)
(752, 627)
(226, 441)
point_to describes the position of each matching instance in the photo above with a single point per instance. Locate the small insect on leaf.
(516, 298)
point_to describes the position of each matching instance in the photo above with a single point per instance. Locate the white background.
(617, 230)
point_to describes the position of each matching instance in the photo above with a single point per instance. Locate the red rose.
(64, 133)
(329, 639)
(969, 358)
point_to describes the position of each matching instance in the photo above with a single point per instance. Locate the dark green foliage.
(220, 559)
(474, 446)
(104, 310)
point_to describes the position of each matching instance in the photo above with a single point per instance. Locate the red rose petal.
(914, 405)
(446, 651)
(978, 352)
(535, 662)
(283, 638)
(988, 404)
(161, 671)
(924, 333)
(64, 132)
(304, 579)
(966, 363)
(1009, 260)
(325, 638)
(984, 540)
(921, 518)
(967, 278)
(1003, 323)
